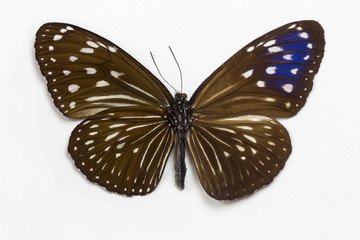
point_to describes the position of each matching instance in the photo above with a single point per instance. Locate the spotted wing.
(87, 74)
(123, 149)
(272, 75)
(234, 156)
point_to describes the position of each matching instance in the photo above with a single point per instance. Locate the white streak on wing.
(117, 125)
(140, 117)
(111, 136)
(250, 138)
(147, 149)
(166, 153)
(219, 93)
(214, 137)
(225, 129)
(206, 156)
(247, 118)
(139, 89)
(140, 126)
(216, 156)
(115, 96)
(245, 127)
(107, 104)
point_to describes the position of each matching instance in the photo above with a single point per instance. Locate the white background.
(42, 194)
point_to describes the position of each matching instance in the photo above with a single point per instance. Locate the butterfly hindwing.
(272, 75)
(234, 156)
(87, 74)
(123, 149)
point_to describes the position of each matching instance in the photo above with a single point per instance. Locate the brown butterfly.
(132, 120)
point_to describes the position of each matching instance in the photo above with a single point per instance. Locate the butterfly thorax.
(180, 114)
(180, 118)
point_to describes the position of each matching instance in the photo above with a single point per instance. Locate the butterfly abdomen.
(180, 118)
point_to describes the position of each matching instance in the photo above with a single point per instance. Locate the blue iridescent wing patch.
(270, 76)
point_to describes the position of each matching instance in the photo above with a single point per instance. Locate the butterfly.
(132, 121)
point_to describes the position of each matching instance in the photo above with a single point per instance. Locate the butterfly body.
(132, 121)
(180, 118)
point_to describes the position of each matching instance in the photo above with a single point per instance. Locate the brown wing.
(123, 149)
(234, 156)
(272, 75)
(87, 74)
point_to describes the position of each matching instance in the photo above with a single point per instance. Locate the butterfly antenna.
(160, 72)
(181, 79)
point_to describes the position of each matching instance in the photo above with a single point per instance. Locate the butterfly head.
(180, 97)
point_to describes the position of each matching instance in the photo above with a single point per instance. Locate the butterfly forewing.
(237, 155)
(123, 149)
(270, 76)
(87, 74)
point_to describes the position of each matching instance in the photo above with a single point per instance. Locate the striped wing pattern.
(237, 155)
(123, 149)
(272, 75)
(87, 74)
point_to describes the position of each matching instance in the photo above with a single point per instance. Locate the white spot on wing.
(90, 70)
(241, 149)
(288, 57)
(66, 72)
(250, 48)
(270, 43)
(57, 37)
(102, 83)
(304, 35)
(87, 50)
(248, 73)
(252, 139)
(275, 49)
(73, 88)
(288, 87)
(294, 71)
(73, 58)
(111, 136)
(260, 83)
(120, 145)
(116, 74)
(72, 105)
(92, 44)
(69, 28)
(112, 49)
(271, 70)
